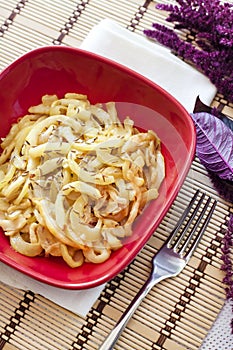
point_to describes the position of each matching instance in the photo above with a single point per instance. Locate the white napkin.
(151, 60)
(79, 302)
(156, 63)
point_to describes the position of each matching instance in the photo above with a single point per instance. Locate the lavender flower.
(211, 24)
(227, 265)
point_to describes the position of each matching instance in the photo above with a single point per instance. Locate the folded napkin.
(79, 302)
(154, 62)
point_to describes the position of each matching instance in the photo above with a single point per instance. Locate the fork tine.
(202, 229)
(182, 218)
(195, 226)
(190, 220)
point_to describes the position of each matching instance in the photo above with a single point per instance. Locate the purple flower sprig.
(227, 265)
(211, 24)
(227, 261)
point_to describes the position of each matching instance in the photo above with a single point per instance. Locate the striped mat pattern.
(190, 301)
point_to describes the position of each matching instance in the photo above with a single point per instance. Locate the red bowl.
(58, 70)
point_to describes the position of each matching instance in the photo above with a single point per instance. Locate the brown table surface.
(178, 313)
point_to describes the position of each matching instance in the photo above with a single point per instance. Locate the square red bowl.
(58, 70)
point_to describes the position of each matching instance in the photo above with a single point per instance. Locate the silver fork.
(170, 260)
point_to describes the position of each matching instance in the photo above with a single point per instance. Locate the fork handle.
(111, 339)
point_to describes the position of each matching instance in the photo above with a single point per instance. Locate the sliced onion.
(75, 259)
(97, 255)
(23, 247)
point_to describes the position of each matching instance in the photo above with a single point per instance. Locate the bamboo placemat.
(177, 313)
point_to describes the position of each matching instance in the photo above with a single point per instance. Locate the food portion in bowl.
(58, 70)
(73, 179)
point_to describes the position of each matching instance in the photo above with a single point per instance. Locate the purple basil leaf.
(201, 107)
(214, 145)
